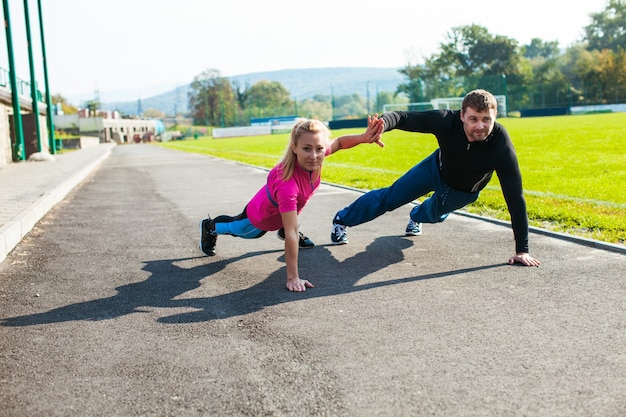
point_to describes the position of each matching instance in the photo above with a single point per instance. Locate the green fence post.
(34, 96)
(18, 149)
(49, 115)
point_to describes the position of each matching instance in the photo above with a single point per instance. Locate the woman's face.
(310, 150)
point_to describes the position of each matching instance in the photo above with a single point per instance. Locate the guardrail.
(23, 87)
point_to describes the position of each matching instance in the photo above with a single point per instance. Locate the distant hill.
(301, 83)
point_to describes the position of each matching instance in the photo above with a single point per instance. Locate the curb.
(612, 247)
(556, 235)
(532, 229)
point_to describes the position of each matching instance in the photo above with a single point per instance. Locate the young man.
(471, 147)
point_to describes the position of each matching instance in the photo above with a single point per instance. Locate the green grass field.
(573, 167)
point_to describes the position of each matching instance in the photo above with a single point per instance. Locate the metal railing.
(23, 87)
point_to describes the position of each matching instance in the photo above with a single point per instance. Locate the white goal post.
(447, 103)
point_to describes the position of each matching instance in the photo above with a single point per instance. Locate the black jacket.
(469, 166)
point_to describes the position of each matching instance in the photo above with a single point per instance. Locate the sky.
(129, 49)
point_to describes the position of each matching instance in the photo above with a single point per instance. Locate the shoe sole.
(412, 234)
(343, 242)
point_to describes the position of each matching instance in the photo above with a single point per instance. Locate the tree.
(469, 58)
(152, 113)
(607, 29)
(549, 86)
(612, 75)
(576, 65)
(541, 49)
(534, 75)
(212, 99)
(61, 102)
(317, 107)
(268, 98)
(240, 94)
(92, 107)
(414, 88)
(387, 97)
(349, 107)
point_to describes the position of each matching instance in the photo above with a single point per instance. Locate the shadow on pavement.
(168, 281)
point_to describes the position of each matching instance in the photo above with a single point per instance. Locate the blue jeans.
(418, 181)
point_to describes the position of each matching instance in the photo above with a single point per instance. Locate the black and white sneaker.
(339, 236)
(304, 242)
(413, 228)
(208, 236)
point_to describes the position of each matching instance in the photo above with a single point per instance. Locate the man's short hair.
(479, 100)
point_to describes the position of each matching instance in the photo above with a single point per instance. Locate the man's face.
(478, 125)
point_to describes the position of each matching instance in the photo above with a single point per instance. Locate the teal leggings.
(238, 226)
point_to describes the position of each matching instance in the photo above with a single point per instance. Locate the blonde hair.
(288, 161)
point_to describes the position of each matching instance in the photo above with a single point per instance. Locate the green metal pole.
(34, 94)
(49, 115)
(18, 148)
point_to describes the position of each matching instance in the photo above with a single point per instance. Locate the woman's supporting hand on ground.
(298, 285)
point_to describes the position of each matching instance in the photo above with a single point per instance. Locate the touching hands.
(298, 285)
(375, 127)
(524, 259)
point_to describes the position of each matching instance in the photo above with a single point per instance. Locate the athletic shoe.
(413, 228)
(339, 236)
(304, 241)
(208, 236)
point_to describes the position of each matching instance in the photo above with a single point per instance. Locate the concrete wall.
(6, 156)
(79, 143)
(229, 132)
(6, 110)
(66, 122)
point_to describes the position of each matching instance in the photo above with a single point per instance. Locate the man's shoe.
(208, 236)
(339, 236)
(413, 228)
(304, 241)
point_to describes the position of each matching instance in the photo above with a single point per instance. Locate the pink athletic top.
(280, 196)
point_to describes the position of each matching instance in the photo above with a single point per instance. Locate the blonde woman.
(290, 185)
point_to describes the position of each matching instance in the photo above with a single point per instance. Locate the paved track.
(107, 308)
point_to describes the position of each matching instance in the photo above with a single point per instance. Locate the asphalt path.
(108, 308)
